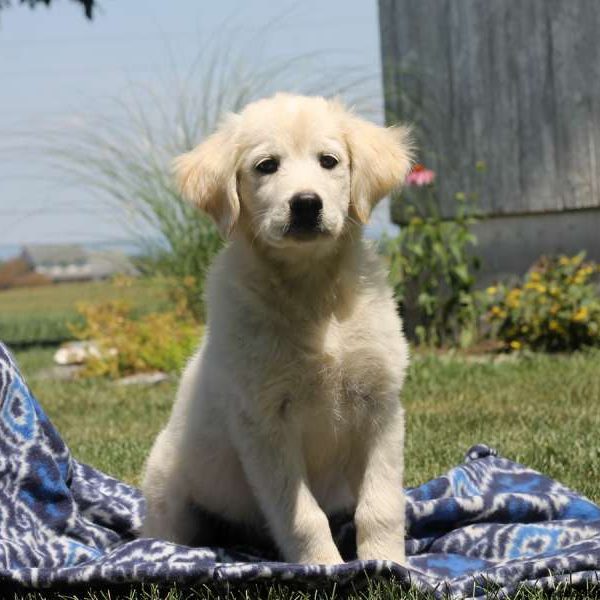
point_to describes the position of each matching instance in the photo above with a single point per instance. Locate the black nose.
(305, 210)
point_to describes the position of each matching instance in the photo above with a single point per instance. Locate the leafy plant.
(129, 344)
(432, 266)
(555, 308)
(88, 5)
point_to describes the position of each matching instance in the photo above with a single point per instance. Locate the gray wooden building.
(515, 85)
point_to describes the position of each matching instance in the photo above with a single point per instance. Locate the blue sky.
(54, 64)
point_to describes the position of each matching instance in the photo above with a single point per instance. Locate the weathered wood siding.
(513, 83)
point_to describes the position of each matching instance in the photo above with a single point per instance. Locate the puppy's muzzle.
(305, 215)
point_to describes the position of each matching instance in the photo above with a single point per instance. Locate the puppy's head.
(293, 170)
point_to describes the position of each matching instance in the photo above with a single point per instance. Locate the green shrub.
(131, 343)
(432, 269)
(555, 308)
(189, 248)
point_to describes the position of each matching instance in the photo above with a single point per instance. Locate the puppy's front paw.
(329, 558)
(324, 555)
(372, 550)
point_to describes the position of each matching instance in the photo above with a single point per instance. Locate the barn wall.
(515, 84)
(510, 245)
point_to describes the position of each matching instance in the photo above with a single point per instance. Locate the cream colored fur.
(290, 411)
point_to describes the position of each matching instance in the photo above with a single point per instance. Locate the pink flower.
(420, 176)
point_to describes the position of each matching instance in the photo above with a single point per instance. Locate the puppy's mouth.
(301, 233)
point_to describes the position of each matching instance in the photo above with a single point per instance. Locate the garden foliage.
(131, 343)
(555, 308)
(432, 266)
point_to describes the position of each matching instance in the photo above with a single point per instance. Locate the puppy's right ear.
(206, 176)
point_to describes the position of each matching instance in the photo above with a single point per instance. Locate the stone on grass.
(143, 379)
(76, 353)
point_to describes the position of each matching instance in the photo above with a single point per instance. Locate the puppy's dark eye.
(328, 161)
(267, 166)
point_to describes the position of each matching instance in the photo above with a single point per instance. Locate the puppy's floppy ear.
(380, 159)
(206, 176)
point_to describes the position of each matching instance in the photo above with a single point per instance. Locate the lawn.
(539, 410)
(42, 314)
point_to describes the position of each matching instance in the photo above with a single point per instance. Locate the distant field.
(42, 314)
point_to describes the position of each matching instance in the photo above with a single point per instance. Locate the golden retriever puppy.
(290, 412)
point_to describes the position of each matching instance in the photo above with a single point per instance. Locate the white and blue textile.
(488, 523)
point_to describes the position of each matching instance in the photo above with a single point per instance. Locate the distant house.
(70, 262)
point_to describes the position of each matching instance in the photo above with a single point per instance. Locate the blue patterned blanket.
(487, 523)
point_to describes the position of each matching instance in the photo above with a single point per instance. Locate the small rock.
(489, 359)
(61, 373)
(76, 353)
(143, 379)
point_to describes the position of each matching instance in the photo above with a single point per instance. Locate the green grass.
(542, 411)
(108, 426)
(42, 314)
(375, 590)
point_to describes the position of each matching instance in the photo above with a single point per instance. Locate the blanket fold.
(487, 523)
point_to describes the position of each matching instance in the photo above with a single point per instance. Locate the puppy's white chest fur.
(351, 385)
(325, 365)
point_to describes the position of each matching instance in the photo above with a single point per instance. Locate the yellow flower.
(515, 345)
(563, 261)
(492, 290)
(535, 285)
(512, 300)
(498, 312)
(535, 276)
(554, 309)
(554, 326)
(580, 315)
(577, 260)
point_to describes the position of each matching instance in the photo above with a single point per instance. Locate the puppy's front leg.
(271, 455)
(377, 480)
